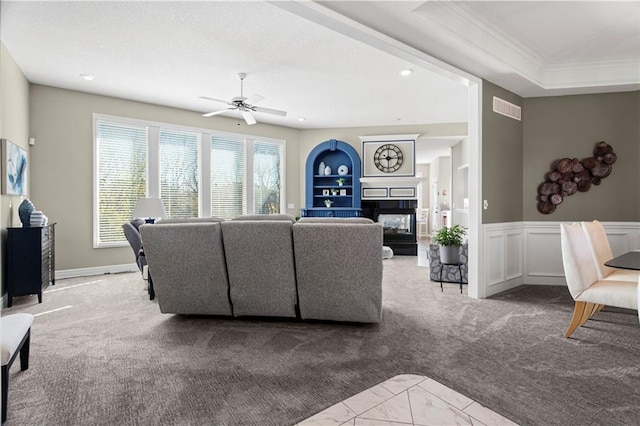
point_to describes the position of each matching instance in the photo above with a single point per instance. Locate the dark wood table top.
(629, 260)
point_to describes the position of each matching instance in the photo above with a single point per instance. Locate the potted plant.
(334, 191)
(328, 202)
(340, 181)
(450, 240)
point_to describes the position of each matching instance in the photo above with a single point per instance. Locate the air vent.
(507, 108)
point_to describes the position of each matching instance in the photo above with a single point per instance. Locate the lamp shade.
(150, 208)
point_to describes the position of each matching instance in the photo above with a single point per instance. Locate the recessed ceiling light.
(406, 72)
(87, 77)
(301, 119)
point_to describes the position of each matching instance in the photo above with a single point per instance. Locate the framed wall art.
(385, 158)
(14, 169)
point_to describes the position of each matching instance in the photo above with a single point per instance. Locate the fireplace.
(398, 218)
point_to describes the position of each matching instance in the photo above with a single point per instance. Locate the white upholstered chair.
(589, 292)
(601, 252)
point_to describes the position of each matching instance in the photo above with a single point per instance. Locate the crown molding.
(482, 37)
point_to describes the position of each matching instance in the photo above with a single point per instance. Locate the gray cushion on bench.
(184, 283)
(339, 271)
(261, 268)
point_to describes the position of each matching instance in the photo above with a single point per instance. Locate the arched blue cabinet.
(345, 198)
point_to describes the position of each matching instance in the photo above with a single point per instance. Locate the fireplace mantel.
(385, 188)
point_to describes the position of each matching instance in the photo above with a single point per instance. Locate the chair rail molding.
(517, 253)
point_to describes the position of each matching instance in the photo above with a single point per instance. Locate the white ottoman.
(387, 252)
(15, 336)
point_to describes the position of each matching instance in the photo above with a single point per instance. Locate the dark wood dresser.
(30, 260)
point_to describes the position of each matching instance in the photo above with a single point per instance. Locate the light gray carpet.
(112, 358)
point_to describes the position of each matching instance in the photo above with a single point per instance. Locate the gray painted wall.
(502, 158)
(570, 126)
(14, 125)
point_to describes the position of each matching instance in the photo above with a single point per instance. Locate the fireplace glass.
(396, 223)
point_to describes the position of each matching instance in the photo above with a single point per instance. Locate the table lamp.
(150, 209)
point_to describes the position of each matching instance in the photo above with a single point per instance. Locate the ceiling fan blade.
(211, 114)
(254, 99)
(248, 118)
(270, 111)
(214, 99)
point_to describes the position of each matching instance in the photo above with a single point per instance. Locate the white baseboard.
(97, 270)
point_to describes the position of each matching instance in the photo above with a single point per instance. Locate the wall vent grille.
(507, 108)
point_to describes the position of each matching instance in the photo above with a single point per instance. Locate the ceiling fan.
(245, 105)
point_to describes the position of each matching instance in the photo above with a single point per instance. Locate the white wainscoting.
(517, 253)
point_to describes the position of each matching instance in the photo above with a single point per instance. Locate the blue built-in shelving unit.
(332, 153)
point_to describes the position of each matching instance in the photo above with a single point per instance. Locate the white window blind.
(179, 173)
(228, 177)
(267, 177)
(121, 176)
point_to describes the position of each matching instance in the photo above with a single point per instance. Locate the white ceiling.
(334, 63)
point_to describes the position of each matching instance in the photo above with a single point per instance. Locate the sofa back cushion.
(339, 271)
(278, 216)
(261, 268)
(187, 264)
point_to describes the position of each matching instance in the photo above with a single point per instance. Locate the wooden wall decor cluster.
(568, 176)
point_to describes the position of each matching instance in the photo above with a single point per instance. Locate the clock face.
(388, 158)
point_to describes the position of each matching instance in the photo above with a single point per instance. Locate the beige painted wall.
(310, 138)
(14, 125)
(570, 126)
(62, 163)
(501, 158)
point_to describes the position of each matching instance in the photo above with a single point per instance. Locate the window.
(179, 173)
(121, 177)
(196, 172)
(267, 177)
(228, 177)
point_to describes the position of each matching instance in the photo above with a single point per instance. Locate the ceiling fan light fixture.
(406, 72)
(301, 119)
(87, 77)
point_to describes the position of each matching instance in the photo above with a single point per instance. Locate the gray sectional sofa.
(268, 265)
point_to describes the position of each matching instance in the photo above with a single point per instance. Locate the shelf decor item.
(334, 191)
(343, 170)
(327, 171)
(37, 218)
(340, 181)
(450, 241)
(321, 167)
(328, 203)
(325, 192)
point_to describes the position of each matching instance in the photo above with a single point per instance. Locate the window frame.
(204, 166)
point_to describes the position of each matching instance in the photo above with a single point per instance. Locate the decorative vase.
(24, 211)
(321, 168)
(449, 254)
(327, 171)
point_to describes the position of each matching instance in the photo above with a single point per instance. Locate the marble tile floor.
(404, 400)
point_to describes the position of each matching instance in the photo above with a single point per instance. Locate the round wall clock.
(388, 158)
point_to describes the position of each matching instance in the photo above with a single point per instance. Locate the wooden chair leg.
(24, 352)
(5, 391)
(582, 311)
